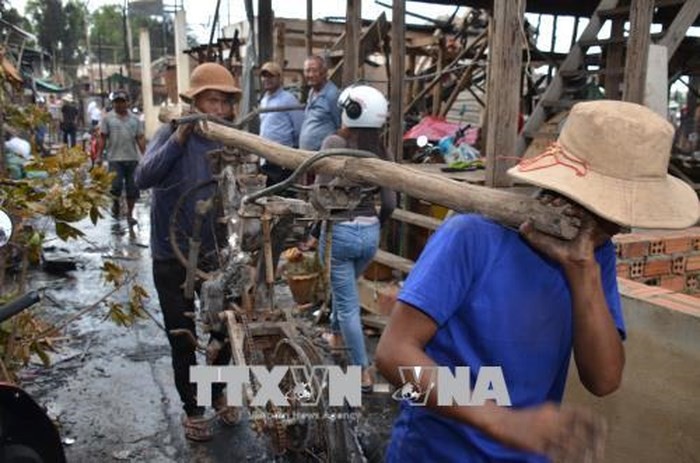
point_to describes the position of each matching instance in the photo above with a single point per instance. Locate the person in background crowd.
(281, 127)
(121, 134)
(322, 115)
(69, 118)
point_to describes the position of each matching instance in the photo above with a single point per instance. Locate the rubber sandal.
(197, 428)
(229, 416)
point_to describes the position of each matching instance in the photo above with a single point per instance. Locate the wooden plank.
(371, 294)
(437, 90)
(638, 51)
(398, 70)
(353, 30)
(615, 60)
(685, 18)
(420, 220)
(623, 11)
(374, 33)
(279, 43)
(265, 31)
(375, 321)
(573, 61)
(392, 260)
(502, 97)
(478, 44)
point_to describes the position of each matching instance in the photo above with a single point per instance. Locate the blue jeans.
(124, 179)
(352, 250)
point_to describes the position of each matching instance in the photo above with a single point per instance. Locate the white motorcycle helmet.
(363, 106)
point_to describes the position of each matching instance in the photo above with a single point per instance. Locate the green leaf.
(41, 353)
(66, 232)
(95, 214)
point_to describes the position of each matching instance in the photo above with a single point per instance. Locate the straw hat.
(612, 158)
(210, 76)
(271, 68)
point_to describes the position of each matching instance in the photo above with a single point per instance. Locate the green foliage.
(61, 30)
(68, 193)
(124, 314)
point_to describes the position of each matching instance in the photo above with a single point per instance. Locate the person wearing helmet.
(175, 162)
(123, 136)
(515, 306)
(364, 111)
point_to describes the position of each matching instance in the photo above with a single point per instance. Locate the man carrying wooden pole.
(514, 305)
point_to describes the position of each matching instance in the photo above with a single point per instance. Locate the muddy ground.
(111, 390)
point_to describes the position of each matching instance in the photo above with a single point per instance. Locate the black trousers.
(169, 278)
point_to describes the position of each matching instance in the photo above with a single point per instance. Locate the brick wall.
(669, 259)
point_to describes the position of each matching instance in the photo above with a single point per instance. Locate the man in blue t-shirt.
(483, 295)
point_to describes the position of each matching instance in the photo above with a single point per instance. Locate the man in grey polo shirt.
(122, 133)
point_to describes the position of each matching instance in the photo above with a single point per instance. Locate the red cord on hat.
(559, 157)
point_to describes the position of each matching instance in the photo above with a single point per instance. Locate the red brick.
(656, 247)
(695, 244)
(692, 263)
(657, 267)
(634, 250)
(636, 268)
(677, 245)
(623, 270)
(674, 283)
(678, 265)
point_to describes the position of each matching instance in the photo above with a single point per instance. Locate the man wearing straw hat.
(482, 295)
(175, 166)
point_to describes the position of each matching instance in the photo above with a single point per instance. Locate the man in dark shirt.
(69, 114)
(175, 162)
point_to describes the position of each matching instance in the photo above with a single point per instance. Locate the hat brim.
(189, 95)
(655, 203)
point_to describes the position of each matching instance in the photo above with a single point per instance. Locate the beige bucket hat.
(210, 76)
(612, 158)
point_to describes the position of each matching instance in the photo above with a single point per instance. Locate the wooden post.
(502, 96)
(411, 89)
(552, 45)
(398, 68)
(265, 30)
(280, 29)
(437, 90)
(353, 31)
(638, 50)
(614, 60)
(309, 27)
(574, 33)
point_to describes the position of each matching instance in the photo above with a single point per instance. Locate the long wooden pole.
(508, 208)
(398, 69)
